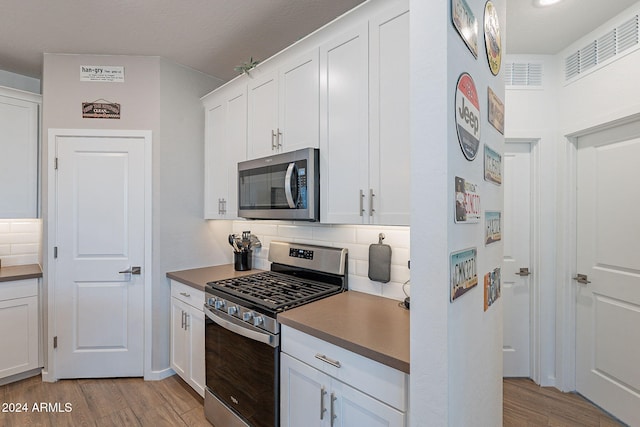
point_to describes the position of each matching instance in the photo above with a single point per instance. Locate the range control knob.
(247, 316)
(219, 304)
(232, 310)
(211, 302)
(258, 320)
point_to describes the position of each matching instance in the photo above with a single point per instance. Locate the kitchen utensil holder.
(243, 260)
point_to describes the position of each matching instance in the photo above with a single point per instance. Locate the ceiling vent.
(602, 50)
(523, 74)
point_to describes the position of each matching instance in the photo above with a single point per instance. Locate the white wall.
(601, 96)
(532, 115)
(456, 348)
(164, 98)
(20, 241)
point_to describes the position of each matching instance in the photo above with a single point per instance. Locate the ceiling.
(213, 36)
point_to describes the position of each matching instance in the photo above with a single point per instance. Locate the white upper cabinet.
(225, 146)
(364, 113)
(344, 129)
(389, 145)
(283, 107)
(19, 134)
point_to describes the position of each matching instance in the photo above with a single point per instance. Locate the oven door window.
(243, 373)
(279, 186)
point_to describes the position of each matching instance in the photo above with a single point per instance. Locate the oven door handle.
(265, 338)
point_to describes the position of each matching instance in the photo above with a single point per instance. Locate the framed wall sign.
(496, 111)
(492, 166)
(466, 24)
(464, 275)
(467, 199)
(467, 116)
(492, 39)
(492, 288)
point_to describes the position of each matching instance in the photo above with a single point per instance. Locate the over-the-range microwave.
(283, 186)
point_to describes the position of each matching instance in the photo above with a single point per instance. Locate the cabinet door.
(215, 150)
(299, 103)
(353, 408)
(263, 115)
(225, 146)
(344, 156)
(19, 158)
(389, 145)
(195, 329)
(18, 335)
(179, 343)
(303, 394)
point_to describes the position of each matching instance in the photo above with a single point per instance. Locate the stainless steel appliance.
(283, 186)
(242, 335)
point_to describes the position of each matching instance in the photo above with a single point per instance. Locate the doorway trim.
(534, 290)
(49, 373)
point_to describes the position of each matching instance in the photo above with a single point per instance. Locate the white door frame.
(49, 374)
(534, 290)
(567, 258)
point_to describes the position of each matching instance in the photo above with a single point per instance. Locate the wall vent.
(596, 53)
(523, 74)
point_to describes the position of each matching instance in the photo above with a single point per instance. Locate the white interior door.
(100, 202)
(516, 289)
(608, 253)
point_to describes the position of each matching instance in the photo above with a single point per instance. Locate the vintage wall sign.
(102, 73)
(466, 23)
(492, 38)
(467, 208)
(492, 227)
(467, 116)
(492, 166)
(100, 110)
(492, 288)
(464, 273)
(496, 111)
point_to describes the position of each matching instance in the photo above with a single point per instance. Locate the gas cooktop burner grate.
(275, 291)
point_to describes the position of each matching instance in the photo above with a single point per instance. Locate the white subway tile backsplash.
(356, 238)
(20, 241)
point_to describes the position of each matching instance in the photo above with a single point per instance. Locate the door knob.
(131, 270)
(524, 271)
(582, 279)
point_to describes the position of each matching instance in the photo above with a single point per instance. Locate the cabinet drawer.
(185, 293)
(18, 289)
(373, 378)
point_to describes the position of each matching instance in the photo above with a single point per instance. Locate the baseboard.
(21, 376)
(159, 375)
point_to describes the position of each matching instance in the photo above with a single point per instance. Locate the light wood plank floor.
(525, 404)
(133, 402)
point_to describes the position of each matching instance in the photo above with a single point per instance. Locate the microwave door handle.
(288, 190)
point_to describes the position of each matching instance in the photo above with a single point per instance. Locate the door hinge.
(55, 163)
(55, 252)
(55, 342)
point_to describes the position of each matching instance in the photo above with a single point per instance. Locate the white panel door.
(516, 236)
(99, 310)
(608, 253)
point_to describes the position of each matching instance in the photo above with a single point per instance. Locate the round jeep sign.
(467, 116)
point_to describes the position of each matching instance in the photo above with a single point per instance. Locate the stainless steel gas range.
(242, 335)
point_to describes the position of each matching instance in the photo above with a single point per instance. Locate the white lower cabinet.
(187, 335)
(18, 326)
(350, 391)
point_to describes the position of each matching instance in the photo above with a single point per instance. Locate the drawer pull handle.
(325, 359)
(184, 294)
